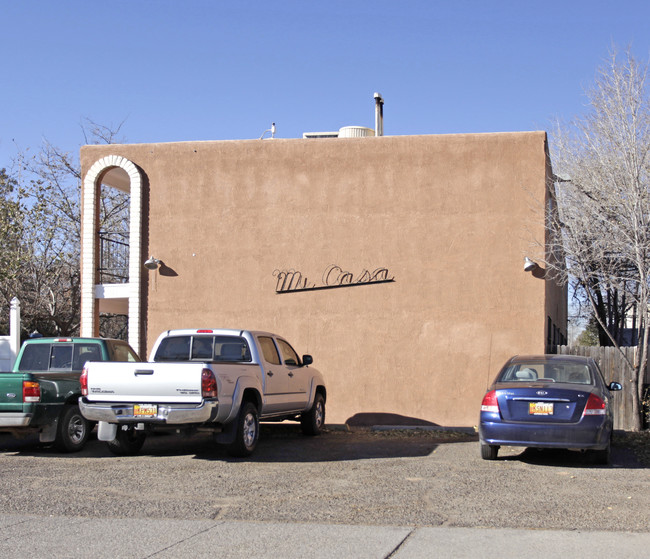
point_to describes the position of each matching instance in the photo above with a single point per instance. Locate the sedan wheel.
(601, 457)
(488, 451)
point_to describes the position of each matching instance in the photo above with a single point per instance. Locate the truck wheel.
(247, 433)
(127, 442)
(312, 421)
(72, 431)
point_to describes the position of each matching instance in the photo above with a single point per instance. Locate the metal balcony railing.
(113, 257)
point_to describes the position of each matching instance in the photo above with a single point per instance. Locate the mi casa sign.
(291, 281)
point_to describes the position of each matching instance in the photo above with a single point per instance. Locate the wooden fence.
(614, 369)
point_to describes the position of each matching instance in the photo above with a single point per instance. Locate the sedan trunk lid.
(542, 402)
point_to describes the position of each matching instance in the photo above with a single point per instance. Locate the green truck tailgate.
(11, 391)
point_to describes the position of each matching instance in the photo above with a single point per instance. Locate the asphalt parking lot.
(362, 478)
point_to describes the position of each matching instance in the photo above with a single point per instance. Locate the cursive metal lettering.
(333, 276)
(291, 280)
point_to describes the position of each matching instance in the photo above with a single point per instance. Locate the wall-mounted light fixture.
(529, 265)
(534, 268)
(152, 263)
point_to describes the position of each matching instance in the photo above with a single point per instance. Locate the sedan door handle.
(143, 372)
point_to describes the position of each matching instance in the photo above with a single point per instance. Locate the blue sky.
(177, 70)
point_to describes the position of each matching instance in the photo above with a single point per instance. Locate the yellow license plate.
(540, 408)
(145, 410)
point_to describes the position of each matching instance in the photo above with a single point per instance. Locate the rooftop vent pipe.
(379, 115)
(271, 130)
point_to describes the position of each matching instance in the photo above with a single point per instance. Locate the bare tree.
(602, 222)
(11, 243)
(45, 271)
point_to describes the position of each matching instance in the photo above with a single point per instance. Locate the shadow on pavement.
(287, 444)
(621, 457)
(278, 443)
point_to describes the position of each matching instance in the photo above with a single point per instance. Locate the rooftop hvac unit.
(355, 132)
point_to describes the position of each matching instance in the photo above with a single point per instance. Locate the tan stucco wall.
(451, 217)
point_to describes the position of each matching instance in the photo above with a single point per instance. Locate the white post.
(14, 329)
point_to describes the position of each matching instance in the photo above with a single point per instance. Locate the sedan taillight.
(595, 406)
(208, 384)
(490, 402)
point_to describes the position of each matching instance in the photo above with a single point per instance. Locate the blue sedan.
(548, 401)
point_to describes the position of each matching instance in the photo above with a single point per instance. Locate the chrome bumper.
(119, 412)
(15, 419)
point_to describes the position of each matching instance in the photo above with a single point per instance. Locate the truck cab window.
(202, 348)
(175, 348)
(84, 353)
(123, 352)
(269, 351)
(36, 357)
(289, 356)
(61, 357)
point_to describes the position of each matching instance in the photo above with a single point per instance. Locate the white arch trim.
(89, 231)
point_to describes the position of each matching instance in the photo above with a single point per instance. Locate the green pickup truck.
(41, 394)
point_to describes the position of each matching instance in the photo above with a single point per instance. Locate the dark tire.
(247, 433)
(72, 431)
(601, 457)
(489, 451)
(127, 442)
(313, 421)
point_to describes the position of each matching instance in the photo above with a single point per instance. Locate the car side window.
(269, 351)
(289, 356)
(123, 353)
(84, 353)
(599, 373)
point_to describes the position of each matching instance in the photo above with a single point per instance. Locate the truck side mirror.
(307, 360)
(615, 386)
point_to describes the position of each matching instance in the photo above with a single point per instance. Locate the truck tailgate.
(11, 391)
(144, 382)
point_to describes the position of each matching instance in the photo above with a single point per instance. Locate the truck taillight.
(83, 381)
(31, 391)
(490, 402)
(595, 406)
(208, 384)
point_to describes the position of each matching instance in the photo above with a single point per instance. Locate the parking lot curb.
(464, 430)
(337, 427)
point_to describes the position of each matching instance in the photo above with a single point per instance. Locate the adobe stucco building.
(256, 234)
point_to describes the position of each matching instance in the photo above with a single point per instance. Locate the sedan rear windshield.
(567, 372)
(203, 348)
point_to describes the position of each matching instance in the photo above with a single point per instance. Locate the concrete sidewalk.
(54, 537)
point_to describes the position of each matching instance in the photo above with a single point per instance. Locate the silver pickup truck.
(224, 381)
